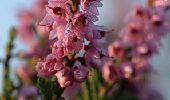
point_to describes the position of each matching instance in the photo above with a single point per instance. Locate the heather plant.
(67, 56)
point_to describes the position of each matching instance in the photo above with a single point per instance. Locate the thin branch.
(7, 84)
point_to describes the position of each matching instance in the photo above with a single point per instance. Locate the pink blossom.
(49, 67)
(64, 77)
(133, 33)
(116, 50)
(90, 8)
(73, 43)
(25, 28)
(39, 9)
(128, 70)
(59, 52)
(145, 49)
(142, 63)
(91, 56)
(79, 72)
(110, 72)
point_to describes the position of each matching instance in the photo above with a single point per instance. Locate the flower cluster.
(32, 35)
(29, 32)
(76, 42)
(65, 46)
(137, 43)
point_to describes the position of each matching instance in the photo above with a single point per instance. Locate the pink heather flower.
(133, 33)
(110, 72)
(146, 49)
(128, 70)
(64, 77)
(42, 30)
(25, 73)
(79, 72)
(90, 8)
(82, 24)
(100, 45)
(38, 9)
(59, 52)
(49, 67)
(91, 56)
(142, 63)
(80, 20)
(73, 43)
(56, 12)
(116, 50)
(39, 12)
(138, 14)
(158, 26)
(25, 28)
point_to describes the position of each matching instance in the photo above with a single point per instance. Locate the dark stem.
(121, 89)
(7, 84)
(50, 89)
(74, 6)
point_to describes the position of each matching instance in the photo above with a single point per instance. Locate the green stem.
(49, 90)
(7, 84)
(93, 84)
(86, 90)
(121, 89)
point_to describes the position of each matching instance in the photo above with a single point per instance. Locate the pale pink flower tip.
(110, 72)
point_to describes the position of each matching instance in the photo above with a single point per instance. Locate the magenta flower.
(72, 43)
(49, 67)
(116, 50)
(79, 72)
(38, 9)
(133, 33)
(110, 72)
(25, 28)
(64, 77)
(128, 70)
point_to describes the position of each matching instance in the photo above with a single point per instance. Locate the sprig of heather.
(7, 83)
(29, 32)
(34, 40)
(138, 41)
(76, 40)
